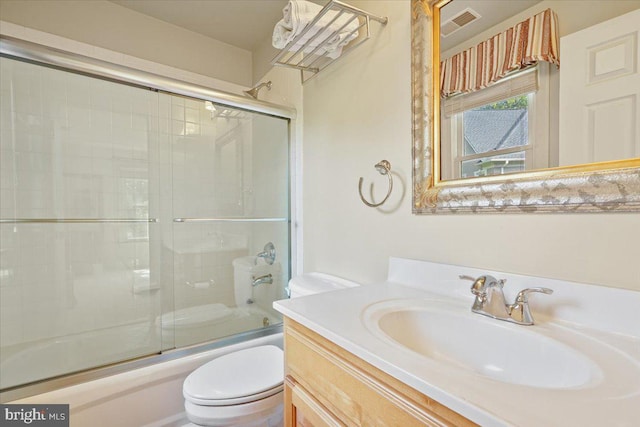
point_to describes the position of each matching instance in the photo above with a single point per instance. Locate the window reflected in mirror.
(495, 131)
(530, 85)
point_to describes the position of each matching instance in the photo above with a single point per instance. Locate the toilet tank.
(315, 283)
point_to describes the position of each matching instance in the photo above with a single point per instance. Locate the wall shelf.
(307, 51)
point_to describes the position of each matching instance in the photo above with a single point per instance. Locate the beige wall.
(357, 112)
(107, 25)
(262, 56)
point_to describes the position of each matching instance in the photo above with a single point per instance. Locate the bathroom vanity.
(411, 352)
(328, 386)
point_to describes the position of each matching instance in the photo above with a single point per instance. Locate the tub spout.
(267, 278)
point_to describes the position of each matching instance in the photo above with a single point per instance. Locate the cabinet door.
(302, 410)
(328, 386)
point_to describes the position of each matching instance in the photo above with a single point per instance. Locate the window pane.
(494, 165)
(497, 126)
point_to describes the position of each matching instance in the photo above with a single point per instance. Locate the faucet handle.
(269, 253)
(519, 311)
(522, 295)
(478, 285)
(481, 283)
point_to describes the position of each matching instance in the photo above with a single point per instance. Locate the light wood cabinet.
(326, 386)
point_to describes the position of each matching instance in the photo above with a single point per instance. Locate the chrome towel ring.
(384, 167)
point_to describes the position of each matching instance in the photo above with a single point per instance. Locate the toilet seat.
(235, 401)
(243, 376)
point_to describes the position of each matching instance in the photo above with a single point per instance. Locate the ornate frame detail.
(599, 187)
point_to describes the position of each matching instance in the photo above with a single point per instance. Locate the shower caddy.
(312, 63)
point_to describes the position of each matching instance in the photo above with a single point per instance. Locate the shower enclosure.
(131, 219)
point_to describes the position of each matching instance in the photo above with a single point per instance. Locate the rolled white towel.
(297, 14)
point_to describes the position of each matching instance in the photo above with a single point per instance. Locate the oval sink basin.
(495, 349)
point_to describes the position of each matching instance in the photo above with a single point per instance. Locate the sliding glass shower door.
(229, 173)
(131, 221)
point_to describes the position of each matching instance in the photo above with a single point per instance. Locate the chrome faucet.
(490, 300)
(267, 278)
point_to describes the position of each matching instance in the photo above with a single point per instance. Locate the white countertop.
(611, 398)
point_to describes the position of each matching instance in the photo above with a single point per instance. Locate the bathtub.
(145, 397)
(201, 323)
(62, 355)
(59, 356)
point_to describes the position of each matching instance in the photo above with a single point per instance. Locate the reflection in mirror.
(571, 152)
(529, 85)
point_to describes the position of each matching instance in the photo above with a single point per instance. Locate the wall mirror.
(526, 106)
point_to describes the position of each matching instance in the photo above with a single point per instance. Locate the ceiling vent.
(460, 20)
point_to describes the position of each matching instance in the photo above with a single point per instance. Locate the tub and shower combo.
(144, 230)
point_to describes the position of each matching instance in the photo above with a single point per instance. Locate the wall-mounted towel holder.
(306, 51)
(384, 167)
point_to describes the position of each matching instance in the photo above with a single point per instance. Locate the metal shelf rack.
(310, 58)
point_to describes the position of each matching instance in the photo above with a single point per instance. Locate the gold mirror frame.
(597, 187)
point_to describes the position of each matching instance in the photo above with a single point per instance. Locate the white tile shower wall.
(203, 272)
(195, 151)
(201, 253)
(73, 147)
(72, 154)
(69, 278)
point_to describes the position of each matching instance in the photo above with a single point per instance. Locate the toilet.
(245, 388)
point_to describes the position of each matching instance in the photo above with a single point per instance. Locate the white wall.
(110, 26)
(358, 112)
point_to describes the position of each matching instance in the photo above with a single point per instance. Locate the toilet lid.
(238, 377)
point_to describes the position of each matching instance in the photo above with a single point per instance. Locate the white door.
(600, 92)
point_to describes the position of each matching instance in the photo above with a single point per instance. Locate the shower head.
(254, 91)
(383, 166)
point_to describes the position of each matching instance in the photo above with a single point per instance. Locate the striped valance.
(524, 44)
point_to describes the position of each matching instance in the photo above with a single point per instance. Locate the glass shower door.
(131, 221)
(77, 282)
(230, 192)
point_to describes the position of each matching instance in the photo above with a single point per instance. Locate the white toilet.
(245, 388)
